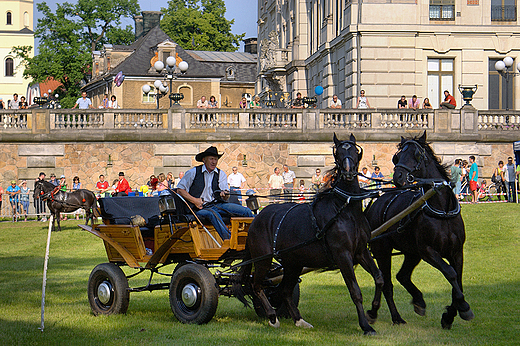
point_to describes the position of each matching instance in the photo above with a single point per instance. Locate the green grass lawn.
(491, 285)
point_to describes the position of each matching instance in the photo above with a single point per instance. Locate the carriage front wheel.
(193, 294)
(108, 290)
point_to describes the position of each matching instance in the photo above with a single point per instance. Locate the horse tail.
(242, 286)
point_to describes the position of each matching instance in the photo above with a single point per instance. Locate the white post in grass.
(45, 271)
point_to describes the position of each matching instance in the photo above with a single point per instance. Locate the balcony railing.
(498, 121)
(160, 125)
(503, 13)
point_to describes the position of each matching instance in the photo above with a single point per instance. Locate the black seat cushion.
(119, 210)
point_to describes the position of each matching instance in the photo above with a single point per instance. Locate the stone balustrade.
(194, 124)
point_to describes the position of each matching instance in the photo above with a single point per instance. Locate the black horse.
(332, 232)
(433, 233)
(59, 201)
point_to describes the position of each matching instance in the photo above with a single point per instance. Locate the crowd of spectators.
(282, 185)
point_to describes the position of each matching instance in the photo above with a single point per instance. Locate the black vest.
(197, 186)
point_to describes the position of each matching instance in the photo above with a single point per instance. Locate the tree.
(68, 38)
(200, 25)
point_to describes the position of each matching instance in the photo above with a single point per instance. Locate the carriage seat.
(119, 210)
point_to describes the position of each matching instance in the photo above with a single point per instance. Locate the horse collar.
(441, 213)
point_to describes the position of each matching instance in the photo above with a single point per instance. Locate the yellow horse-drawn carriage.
(148, 233)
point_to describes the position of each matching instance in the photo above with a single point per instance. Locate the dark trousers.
(234, 195)
(511, 191)
(39, 206)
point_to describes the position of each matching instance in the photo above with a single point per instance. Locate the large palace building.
(389, 48)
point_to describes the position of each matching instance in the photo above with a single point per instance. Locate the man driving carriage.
(205, 187)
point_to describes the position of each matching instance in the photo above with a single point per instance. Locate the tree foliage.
(69, 36)
(200, 25)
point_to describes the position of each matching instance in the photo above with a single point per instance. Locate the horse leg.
(404, 277)
(383, 257)
(367, 262)
(458, 303)
(260, 273)
(346, 266)
(57, 219)
(463, 307)
(289, 281)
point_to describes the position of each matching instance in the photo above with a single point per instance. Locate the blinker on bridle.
(419, 155)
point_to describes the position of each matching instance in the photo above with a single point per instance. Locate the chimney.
(250, 45)
(138, 26)
(146, 22)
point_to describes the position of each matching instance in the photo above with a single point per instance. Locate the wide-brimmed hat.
(211, 151)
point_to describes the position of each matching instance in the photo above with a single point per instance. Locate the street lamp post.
(502, 67)
(169, 73)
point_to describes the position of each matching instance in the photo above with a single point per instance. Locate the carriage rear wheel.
(108, 290)
(193, 294)
(276, 301)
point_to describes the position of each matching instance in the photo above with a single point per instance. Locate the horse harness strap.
(320, 233)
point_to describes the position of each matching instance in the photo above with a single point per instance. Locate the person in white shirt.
(275, 184)
(14, 103)
(204, 188)
(202, 103)
(236, 182)
(112, 103)
(289, 179)
(335, 103)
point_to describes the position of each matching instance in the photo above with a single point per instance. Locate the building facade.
(16, 29)
(389, 48)
(226, 75)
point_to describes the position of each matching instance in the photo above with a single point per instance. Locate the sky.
(244, 12)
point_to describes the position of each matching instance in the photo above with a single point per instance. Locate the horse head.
(347, 155)
(411, 160)
(40, 189)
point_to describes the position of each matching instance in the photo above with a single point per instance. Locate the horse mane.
(47, 184)
(444, 169)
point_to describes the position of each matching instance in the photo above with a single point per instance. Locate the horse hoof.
(303, 324)
(371, 317)
(276, 324)
(399, 321)
(370, 332)
(467, 315)
(446, 321)
(419, 310)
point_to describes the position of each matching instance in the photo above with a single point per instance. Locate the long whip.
(44, 284)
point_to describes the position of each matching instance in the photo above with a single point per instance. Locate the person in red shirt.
(102, 185)
(449, 101)
(122, 188)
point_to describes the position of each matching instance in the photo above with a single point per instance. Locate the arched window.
(187, 91)
(26, 19)
(9, 19)
(9, 67)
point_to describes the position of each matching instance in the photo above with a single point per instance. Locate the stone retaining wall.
(139, 160)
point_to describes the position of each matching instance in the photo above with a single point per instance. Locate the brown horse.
(433, 233)
(65, 202)
(332, 232)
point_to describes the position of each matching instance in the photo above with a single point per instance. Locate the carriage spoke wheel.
(108, 290)
(193, 294)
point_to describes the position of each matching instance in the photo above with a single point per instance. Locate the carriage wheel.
(108, 290)
(193, 294)
(276, 301)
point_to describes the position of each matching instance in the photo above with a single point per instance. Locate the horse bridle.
(419, 155)
(345, 174)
